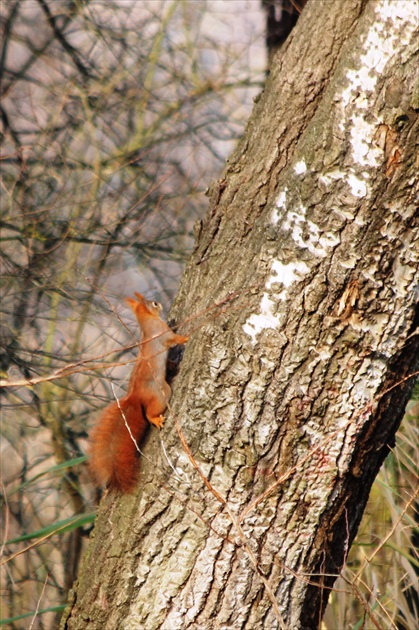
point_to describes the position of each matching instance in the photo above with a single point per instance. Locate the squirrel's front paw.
(158, 421)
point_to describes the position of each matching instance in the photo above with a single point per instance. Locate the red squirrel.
(113, 453)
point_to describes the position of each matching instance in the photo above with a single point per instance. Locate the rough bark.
(301, 302)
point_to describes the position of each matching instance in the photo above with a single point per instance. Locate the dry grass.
(380, 584)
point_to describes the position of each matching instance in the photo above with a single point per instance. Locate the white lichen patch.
(381, 44)
(286, 274)
(358, 186)
(307, 235)
(280, 206)
(328, 178)
(265, 319)
(361, 137)
(357, 118)
(281, 275)
(329, 239)
(356, 183)
(300, 167)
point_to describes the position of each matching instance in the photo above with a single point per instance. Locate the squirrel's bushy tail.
(113, 454)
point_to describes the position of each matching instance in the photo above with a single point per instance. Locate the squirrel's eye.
(155, 304)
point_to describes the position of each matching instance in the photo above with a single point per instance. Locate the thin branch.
(73, 53)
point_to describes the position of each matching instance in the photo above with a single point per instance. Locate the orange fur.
(113, 452)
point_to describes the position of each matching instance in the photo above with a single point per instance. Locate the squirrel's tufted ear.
(139, 297)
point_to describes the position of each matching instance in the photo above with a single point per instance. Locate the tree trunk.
(301, 302)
